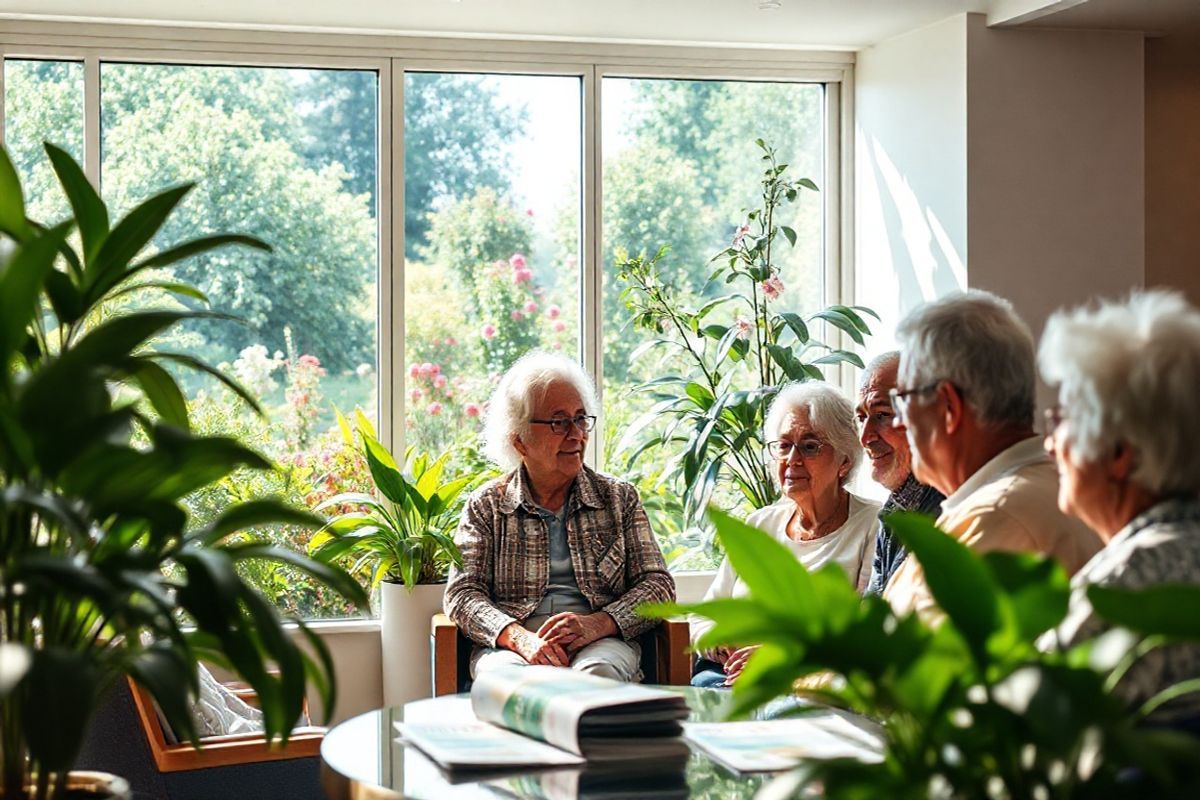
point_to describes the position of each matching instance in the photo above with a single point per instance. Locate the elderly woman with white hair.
(1125, 437)
(812, 440)
(556, 556)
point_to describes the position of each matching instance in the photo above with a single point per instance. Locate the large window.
(409, 270)
(491, 232)
(682, 169)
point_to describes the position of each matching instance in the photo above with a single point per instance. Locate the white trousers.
(610, 657)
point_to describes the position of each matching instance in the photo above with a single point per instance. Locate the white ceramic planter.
(405, 639)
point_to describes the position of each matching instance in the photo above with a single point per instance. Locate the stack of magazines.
(549, 716)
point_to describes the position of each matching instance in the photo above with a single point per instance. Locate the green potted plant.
(716, 378)
(102, 573)
(971, 708)
(401, 541)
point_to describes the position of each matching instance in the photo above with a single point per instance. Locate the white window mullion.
(392, 398)
(91, 118)
(592, 275)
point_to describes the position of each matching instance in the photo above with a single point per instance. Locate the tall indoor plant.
(102, 573)
(720, 376)
(401, 541)
(973, 707)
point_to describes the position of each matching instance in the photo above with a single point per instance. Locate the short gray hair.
(1128, 373)
(831, 415)
(877, 363)
(522, 387)
(975, 341)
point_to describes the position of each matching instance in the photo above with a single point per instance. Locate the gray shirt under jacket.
(562, 591)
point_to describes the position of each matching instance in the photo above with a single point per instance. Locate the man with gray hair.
(965, 393)
(891, 464)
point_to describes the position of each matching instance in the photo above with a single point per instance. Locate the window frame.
(391, 55)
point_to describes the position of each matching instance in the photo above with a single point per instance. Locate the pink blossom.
(522, 276)
(439, 382)
(414, 370)
(553, 311)
(451, 341)
(415, 394)
(557, 345)
(530, 307)
(772, 287)
(743, 327)
(517, 261)
(472, 409)
(517, 315)
(433, 409)
(426, 369)
(559, 326)
(309, 361)
(740, 234)
(529, 212)
(488, 331)
(435, 369)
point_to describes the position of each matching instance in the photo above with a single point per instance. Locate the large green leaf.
(21, 282)
(60, 691)
(161, 390)
(127, 238)
(170, 677)
(91, 215)
(768, 568)
(12, 203)
(384, 470)
(960, 583)
(196, 247)
(1164, 610)
(841, 321)
(1037, 590)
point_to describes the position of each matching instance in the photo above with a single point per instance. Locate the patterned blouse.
(1160, 545)
(506, 555)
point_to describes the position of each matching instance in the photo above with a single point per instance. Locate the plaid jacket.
(506, 555)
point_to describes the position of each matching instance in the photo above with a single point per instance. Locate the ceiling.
(838, 24)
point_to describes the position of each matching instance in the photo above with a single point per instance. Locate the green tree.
(43, 101)
(475, 231)
(324, 237)
(455, 130)
(340, 111)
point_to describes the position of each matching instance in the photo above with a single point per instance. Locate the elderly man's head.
(886, 444)
(1127, 375)
(965, 389)
(540, 415)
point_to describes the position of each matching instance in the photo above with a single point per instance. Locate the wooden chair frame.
(450, 652)
(216, 751)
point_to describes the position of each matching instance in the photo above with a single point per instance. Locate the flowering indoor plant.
(721, 376)
(104, 573)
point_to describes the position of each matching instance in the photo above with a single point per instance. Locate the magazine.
(549, 716)
(594, 717)
(777, 745)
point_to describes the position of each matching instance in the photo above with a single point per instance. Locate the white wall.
(1056, 165)
(910, 184)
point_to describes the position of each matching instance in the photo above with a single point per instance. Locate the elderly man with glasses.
(891, 464)
(965, 394)
(556, 557)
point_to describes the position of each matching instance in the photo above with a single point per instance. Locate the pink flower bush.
(426, 369)
(522, 276)
(553, 311)
(435, 369)
(517, 261)
(488, 331)
(440, 381)
(433, 409)
(415, 394)
(471, 409)
(743, 327)
(772, 287)
(559, 326)
(517, 315)
(530, 307)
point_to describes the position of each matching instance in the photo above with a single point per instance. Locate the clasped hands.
(558, 638)
(734, 660)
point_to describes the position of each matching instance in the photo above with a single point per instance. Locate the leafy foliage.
(972, 708)
(704, 411)
(101, 564)
(407, 534)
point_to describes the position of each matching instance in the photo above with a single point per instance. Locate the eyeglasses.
(782, 450)
(560, 425)
(900, 399)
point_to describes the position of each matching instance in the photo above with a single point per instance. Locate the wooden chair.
(665, 659)
(127, 738)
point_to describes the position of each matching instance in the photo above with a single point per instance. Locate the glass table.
(363, 759)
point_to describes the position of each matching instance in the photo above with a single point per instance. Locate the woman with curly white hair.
(1126, 437)
(556, 556)
(812, 442)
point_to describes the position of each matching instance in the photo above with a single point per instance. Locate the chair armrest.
(444, 650)
(674, 667)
